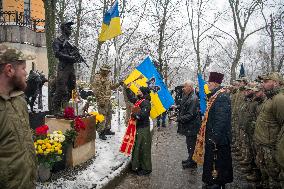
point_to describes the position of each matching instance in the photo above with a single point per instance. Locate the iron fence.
(20, 19)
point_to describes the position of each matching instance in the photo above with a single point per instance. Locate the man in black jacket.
(189, 121)
(217, 168)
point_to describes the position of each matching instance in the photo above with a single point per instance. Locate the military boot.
(102, 136)
(109, 132)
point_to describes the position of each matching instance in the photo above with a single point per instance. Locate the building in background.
(22, 26)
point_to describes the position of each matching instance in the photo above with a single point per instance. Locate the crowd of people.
(244, 120)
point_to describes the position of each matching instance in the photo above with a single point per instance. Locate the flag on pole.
(147, 75)
(111, 24)
(203, 91)
(242, 71)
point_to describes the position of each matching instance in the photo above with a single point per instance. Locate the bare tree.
(241, 16)
(195, 13)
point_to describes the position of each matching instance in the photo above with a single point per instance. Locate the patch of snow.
(108, 163)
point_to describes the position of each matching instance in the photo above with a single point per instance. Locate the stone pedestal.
(83, 148)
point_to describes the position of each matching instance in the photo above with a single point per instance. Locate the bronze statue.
(68, 55)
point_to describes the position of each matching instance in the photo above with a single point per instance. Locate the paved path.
(168, 150)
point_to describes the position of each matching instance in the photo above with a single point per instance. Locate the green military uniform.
(247, 115)
(238, 104)
(233, 99)
(102, 89)
(17, 153)
(268, 126)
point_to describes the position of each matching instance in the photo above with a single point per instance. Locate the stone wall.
(29, 42)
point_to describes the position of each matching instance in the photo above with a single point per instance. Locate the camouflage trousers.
(106, 110)
(270, 170)
(247, 146)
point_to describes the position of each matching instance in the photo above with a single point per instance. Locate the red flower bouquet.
(79, 124)
(41, 130)
(69, 113)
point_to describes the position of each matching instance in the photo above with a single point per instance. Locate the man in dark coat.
(141, 154)
(217, 168)
(189, 121)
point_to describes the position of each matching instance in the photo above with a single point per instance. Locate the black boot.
(102, 136)
(185, 161)
(190, 164)
(144, 172)
(109, 132)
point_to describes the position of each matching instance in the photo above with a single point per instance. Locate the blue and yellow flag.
(146, 75)
(203, 91)
(111, 24)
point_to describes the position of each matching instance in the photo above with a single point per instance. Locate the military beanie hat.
(12, 55)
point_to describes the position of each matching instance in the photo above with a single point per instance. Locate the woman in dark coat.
(218, 171)
(141, 154)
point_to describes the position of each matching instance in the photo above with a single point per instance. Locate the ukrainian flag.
(111, 24)
(203, 91)
(146, 75)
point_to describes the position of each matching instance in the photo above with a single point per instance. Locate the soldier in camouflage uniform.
(233, 95)
(269, 123)
(246, 118)
(102, 88)
(17, 153)
(239, 99)
(256, 107)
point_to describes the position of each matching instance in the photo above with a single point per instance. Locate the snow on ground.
(108, 163)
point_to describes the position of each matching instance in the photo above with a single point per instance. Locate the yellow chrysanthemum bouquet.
(99, 117)
(48, 146)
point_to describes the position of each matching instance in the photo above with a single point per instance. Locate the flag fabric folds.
(203, 90)
(242, 71)
(111, 24)
(146, 75)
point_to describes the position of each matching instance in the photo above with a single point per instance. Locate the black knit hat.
(145, 90)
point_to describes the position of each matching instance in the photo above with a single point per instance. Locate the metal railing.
(20, 19)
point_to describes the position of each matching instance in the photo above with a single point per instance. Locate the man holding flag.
(146, 89)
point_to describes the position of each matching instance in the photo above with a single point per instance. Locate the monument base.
(83, 148)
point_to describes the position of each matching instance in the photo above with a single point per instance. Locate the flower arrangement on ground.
(99, 117)
(48, 147)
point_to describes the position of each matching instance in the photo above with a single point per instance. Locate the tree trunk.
(77, 33)
(95, 62)
(50, 8)
(272, 44)
(236, 62)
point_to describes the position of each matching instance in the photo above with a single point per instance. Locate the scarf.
(129, 136)
(198, 155)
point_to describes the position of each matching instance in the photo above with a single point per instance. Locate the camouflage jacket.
(17, 152)
(236, 104)
(102, 89)
(270, 120)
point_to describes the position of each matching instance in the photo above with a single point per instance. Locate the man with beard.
(17, 153)
(268, 127)
(189, 119)
(217, 167)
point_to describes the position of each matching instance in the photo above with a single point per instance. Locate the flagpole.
(117, 90)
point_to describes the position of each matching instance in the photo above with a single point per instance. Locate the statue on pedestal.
(68, 55)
